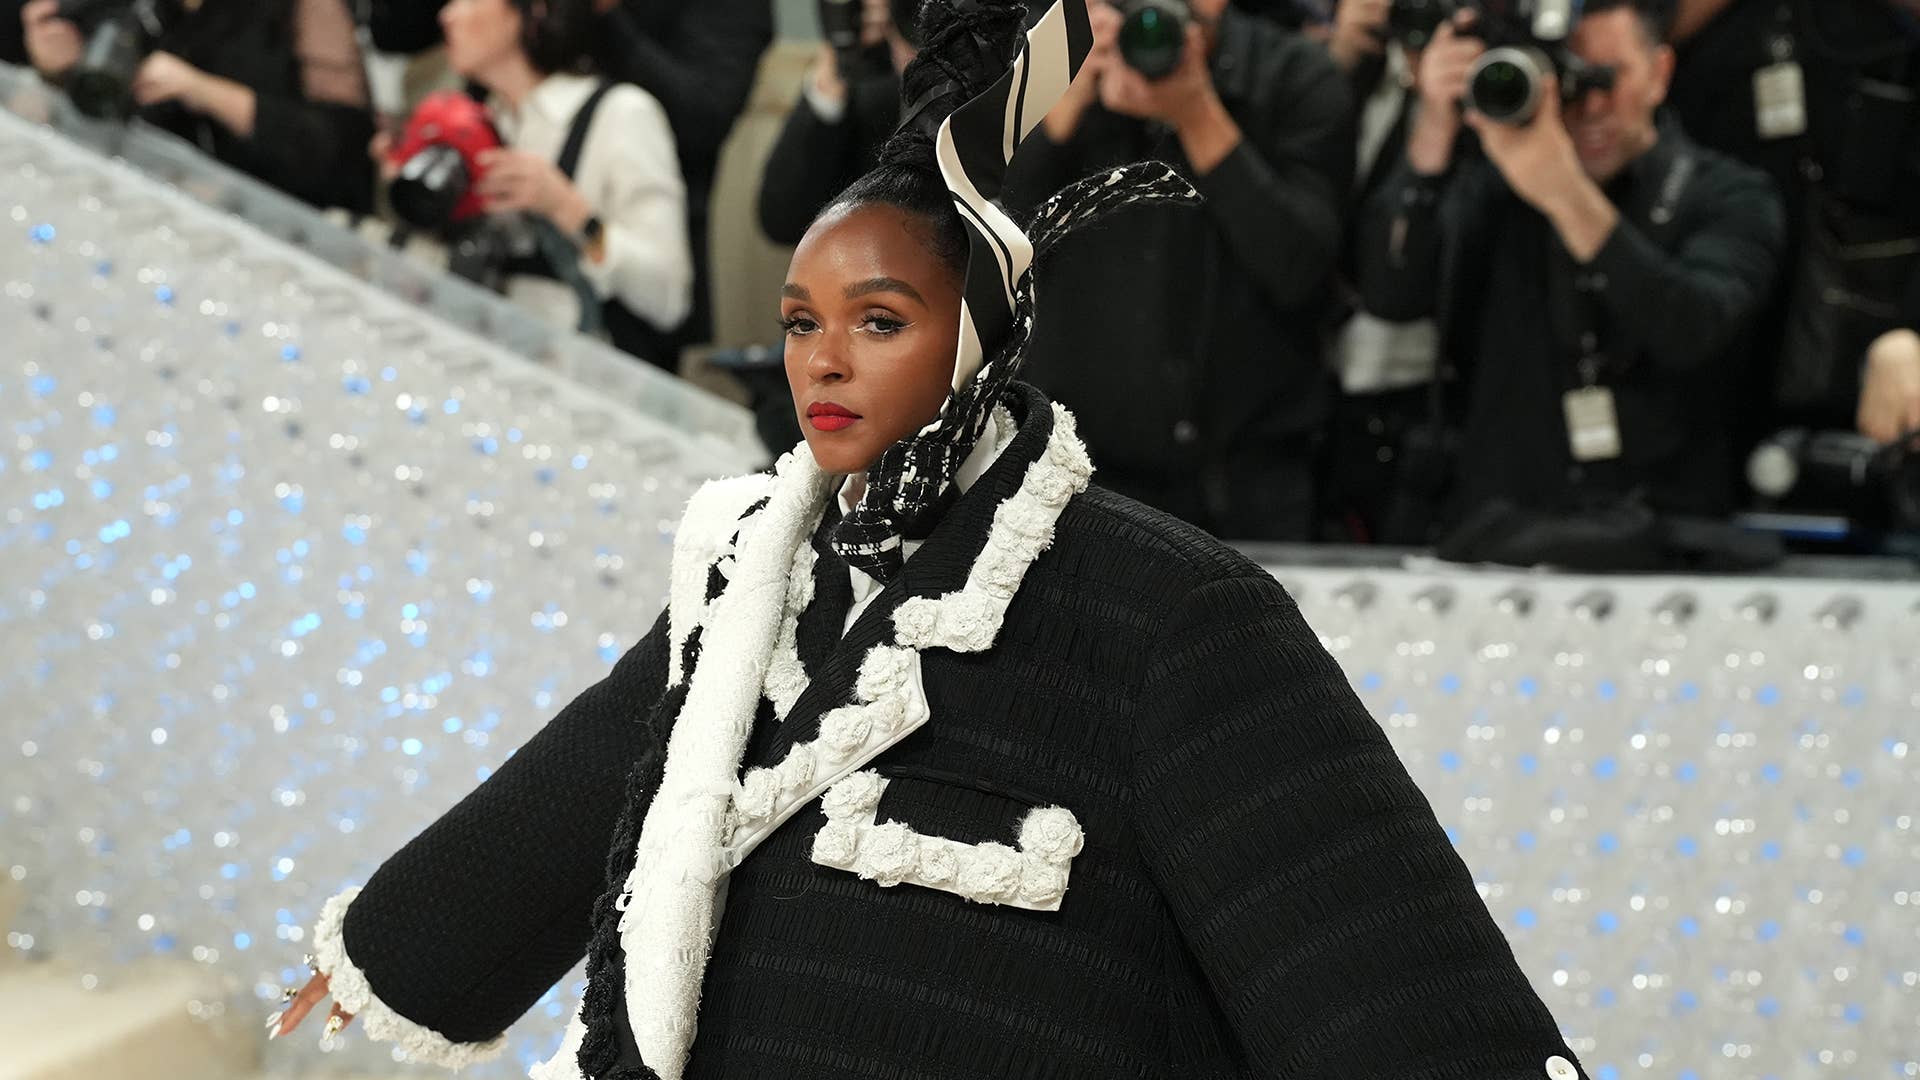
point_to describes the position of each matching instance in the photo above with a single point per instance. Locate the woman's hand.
(53, 44)
(165, 77)
(301, 1004)
(517, 180)
(1442, 80)
(1890, 393)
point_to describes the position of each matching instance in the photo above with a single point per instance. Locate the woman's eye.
(883, 325)
(797, 324)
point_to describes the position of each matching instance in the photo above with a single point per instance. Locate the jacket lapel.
(938, 568)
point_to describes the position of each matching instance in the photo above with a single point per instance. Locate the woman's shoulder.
(1149, 547)
(629, 103)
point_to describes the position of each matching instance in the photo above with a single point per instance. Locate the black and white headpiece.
(910, 484)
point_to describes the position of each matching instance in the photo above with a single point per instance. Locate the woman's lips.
(828, 416)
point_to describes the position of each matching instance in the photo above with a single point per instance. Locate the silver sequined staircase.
(287, 567)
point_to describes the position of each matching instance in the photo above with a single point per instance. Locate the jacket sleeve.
(631, 176)
(1341, 934)
(1686, 307)
(464, 928)
(808, 165)
(1278, 198)
(702, 75)
(310, 138)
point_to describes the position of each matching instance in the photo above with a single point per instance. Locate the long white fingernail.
(273, 1024)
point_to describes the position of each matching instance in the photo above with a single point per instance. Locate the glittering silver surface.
(1689, 803)
(284, 570)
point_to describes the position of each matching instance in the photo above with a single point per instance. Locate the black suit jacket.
(1262, 891)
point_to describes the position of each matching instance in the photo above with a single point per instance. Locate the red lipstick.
(827, 416)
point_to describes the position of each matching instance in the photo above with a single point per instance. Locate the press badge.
(1593, 429)
(1780, 100)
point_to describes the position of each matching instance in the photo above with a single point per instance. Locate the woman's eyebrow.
(883, 284)
(795, 292)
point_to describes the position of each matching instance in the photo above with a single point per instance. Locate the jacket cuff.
(350, 988)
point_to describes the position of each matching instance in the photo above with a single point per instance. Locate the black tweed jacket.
(1248, 883)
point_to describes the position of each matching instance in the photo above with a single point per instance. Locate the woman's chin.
(834, 455)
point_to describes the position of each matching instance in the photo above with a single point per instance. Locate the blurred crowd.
(1529, 280)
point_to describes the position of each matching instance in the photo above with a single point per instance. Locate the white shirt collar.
(552, 103)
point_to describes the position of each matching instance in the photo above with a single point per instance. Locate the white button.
(1559, 1068)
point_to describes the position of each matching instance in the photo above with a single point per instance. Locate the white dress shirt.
(993, 440)
(630, 175)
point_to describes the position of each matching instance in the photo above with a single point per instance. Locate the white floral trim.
(1033, 877)
(352, 992)
(711, 519)
(890, 703)
(670, 898)
(968, 619)
(786, 675)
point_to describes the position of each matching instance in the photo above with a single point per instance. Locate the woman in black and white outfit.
(625, 204)
(943, 762)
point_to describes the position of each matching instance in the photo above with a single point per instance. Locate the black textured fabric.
(813, 159)
(1263, 890)
(468, 924)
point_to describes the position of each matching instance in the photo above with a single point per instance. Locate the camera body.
(439, 159)
(119, 35)
(1840, 473)
(1526, 45)
(1153, 34)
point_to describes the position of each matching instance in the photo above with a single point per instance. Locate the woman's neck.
(513, 79)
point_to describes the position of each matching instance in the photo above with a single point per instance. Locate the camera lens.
(430, 185)
(1505, 85)
(101, 85)
(1153, 37)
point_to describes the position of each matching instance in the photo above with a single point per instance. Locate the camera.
(119, 35)
(1526, 45)
(1840, 474)
(439, 159)
(1153, 34)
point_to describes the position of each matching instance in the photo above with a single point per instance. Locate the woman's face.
(872, 320)
(479, 33)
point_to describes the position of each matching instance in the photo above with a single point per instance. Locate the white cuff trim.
(349, 987)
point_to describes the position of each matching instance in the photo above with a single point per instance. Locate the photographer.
(697, 58)
(624, 203)
(274, 88)
(835, 131)
(1824, 96)
(1595, 277)
(1186, 339)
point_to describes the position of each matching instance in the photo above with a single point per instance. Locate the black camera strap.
(569, 158)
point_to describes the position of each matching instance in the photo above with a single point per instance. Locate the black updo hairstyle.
(965, 46)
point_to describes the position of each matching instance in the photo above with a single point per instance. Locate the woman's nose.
(826, 364)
